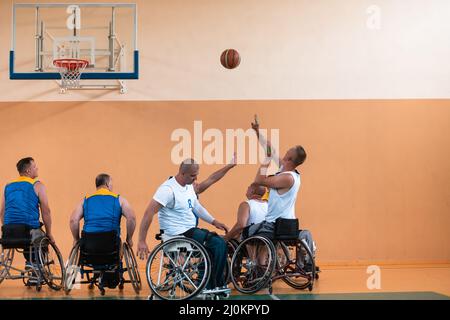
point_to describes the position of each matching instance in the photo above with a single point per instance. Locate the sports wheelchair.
(45, 263)
(98, 256)
(261, 259)
(179, 268)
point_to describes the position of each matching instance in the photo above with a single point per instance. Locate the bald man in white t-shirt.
(177, 207)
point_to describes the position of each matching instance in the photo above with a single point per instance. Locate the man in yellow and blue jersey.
(102, 211)
(24, 201)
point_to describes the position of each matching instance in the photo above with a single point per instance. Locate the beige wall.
(376, 184)
(291, 49)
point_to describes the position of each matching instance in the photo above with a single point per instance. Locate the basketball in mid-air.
(230, 58)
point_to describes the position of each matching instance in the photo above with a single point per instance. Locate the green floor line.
(351, 296)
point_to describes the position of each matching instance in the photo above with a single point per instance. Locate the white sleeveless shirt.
(283, 205)
(176, 215)
(258, 211)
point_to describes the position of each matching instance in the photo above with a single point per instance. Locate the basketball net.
(70, 70)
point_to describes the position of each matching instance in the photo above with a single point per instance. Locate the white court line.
(274, 297)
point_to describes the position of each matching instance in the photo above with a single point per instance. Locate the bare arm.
(2, 208)
(128, 213)
(216, 176)
(203, 214)
(242, 219)
(151, 210)
(45, 209)
(75, 219)
(281, 181)
(270, 151)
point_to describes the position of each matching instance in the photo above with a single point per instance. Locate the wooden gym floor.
(398, 282)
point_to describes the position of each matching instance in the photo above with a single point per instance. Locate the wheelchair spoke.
(187, 260)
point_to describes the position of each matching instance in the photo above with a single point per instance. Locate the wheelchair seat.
(286, 230)
(16, 236)
(100, 248)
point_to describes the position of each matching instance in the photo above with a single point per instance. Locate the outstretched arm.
(270, 151)
(242, 218)
(203, 214)
(128, 213)
(216, 176)
(152, 209)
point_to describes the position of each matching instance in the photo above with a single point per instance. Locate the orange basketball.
(230, 58)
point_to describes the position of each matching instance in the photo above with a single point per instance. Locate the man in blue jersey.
(102, 211)
(177, 207)
(24, 200)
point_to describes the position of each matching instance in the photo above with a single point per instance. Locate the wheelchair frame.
(95, 273)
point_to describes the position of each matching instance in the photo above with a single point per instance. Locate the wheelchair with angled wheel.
(261, 259)
(179, 268)
(232, 245)
(98, 258)
(44, 263)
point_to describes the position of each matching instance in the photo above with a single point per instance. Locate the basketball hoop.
(70, 70)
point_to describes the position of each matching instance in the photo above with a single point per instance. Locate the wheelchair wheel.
(253, 264)
(51, 264)
(231, 248)
(178, 269)
(6, 258)
(72, 268)
(132, 268)
(298, 275)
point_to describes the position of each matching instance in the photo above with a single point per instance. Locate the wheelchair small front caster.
(102, 291)
(317, 276)
(121, 286)
(310, 287)
(151, 297)
(91, 286)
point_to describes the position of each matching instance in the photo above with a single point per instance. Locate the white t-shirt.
(283, 205)
(176, 215)
(258, 211)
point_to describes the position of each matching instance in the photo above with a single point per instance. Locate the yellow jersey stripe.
(103, 192)
(24, 179)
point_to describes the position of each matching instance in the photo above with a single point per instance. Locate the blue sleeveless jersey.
(102, 212)
(22, 203)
